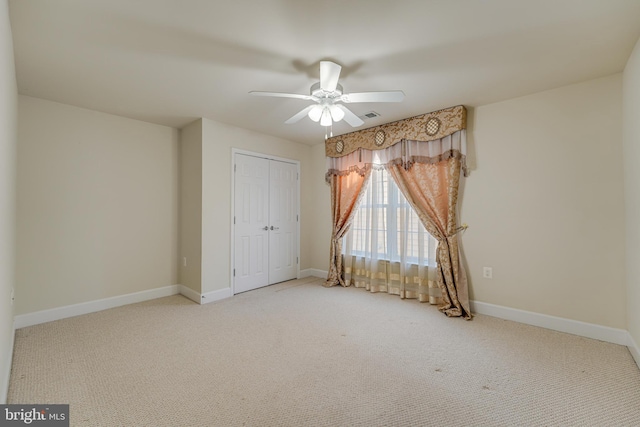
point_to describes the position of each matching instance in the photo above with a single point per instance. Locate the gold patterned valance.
(426, 127)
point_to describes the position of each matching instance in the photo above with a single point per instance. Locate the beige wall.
(191, 205)
(545, 203)
(8, 141)
(631, 143)
(97, 205)
(218, 139)
(321, 212)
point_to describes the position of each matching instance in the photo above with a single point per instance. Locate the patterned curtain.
(428, 175)
(432, 190)
(347, 184)
(424, 155)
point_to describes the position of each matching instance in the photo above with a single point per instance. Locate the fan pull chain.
(328, 129)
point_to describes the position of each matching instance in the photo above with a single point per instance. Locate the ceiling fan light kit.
(315, 113)
(328, 96)
(336, 113)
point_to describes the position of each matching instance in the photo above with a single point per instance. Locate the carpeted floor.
(298, 354)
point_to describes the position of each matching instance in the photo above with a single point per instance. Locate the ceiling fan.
(328, 96)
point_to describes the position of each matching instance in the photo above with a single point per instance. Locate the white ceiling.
(172, 61)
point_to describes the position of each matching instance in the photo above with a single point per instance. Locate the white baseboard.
(304, 273)
(313, 272)
(634, 348)
(207, 297)
(6, 371)
(216, 295)
(191, 294)
(575, 327)
(58, 313)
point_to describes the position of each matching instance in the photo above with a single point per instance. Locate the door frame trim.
(234, 153)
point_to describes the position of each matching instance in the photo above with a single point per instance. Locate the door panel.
(251, 215)
(283, 207)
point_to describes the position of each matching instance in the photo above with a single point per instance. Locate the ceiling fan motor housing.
(318, 92)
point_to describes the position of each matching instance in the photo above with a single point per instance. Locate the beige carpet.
(298, 354)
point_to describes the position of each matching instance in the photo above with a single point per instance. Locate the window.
(386, 227)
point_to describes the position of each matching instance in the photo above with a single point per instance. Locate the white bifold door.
(266, 222)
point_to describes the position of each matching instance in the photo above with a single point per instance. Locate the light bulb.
(325, 120)
(315, 113)
(336, 113)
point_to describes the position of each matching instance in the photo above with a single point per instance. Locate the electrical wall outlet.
(184, 261)
(487, 272)
(13, 295)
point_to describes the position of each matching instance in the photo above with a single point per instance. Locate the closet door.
(266, 222)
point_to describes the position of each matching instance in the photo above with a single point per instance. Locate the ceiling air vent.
(370, 115)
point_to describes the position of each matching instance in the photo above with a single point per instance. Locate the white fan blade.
(329, 75)
(349, 117)
(388, 96)
(284, 95)
(299, 115)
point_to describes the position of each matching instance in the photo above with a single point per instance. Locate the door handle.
(265, 228)
(275, 228)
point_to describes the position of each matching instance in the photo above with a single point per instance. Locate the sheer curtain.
(387, 249)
